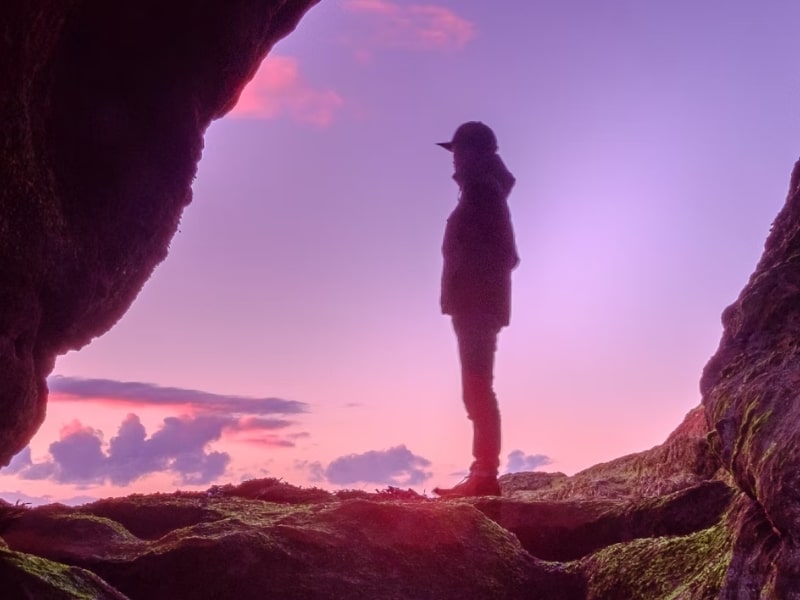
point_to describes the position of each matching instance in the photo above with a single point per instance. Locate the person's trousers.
(477, 343)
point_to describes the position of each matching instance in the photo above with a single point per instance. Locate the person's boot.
(472, 485)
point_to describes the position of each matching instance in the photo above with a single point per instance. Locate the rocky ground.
(657, 524)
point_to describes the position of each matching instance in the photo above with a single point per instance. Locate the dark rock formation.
(682, 461)
(32, 578)
(104, 106)
(570, 529)
(607, 541)
(750, 393)
(213, 546)
(615, 533)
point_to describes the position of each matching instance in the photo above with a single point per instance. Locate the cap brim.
(446, 145)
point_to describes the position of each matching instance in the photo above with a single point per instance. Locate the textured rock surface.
(211, 546)
(682, 461)
(611, 532)
(26, 577)
(237, 542)
(104, 105)
(750, 393)
(570, 529)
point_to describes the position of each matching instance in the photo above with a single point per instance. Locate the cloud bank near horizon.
(180, 446)
(398, 466)
(394, 466)
(518, 461)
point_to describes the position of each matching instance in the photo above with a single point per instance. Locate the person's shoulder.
(484, 189)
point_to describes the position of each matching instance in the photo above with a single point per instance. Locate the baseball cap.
(473, 134)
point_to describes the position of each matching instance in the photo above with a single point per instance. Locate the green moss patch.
(690, 567)
(27, 576)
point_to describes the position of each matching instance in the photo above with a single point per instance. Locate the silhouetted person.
(479, 255)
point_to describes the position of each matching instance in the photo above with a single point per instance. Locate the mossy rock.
(28, 577)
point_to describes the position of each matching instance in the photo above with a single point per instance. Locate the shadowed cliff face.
(750, 393)
(104, 106)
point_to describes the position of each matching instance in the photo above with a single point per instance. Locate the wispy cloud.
(280, 90)
(419, 27)
(149, 394)
(395, 466)
(270, 441)
(519, 461)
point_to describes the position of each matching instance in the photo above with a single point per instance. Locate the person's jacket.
(479, 249)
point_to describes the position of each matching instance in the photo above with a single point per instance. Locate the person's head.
(472, 138)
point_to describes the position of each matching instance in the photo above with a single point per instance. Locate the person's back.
(478, 248)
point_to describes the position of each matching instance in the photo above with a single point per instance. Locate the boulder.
(570, 529)
(27, 577)
(750, 393)
(224, 546)
(682, 461)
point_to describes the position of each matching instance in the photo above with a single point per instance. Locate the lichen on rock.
(25, 576)
(750, 391)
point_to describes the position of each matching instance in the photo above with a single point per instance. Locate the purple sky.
(652, 145)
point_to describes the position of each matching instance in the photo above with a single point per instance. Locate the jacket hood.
(486, 169)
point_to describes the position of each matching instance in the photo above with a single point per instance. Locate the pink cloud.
(270, 441)
(75, 427)
(425, 27)
(260, 431)
(279, 90)
(251, 423)
(372, 6)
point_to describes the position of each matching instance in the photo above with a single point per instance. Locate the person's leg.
(477, 343)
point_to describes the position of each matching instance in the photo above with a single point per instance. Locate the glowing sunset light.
(278, 89)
